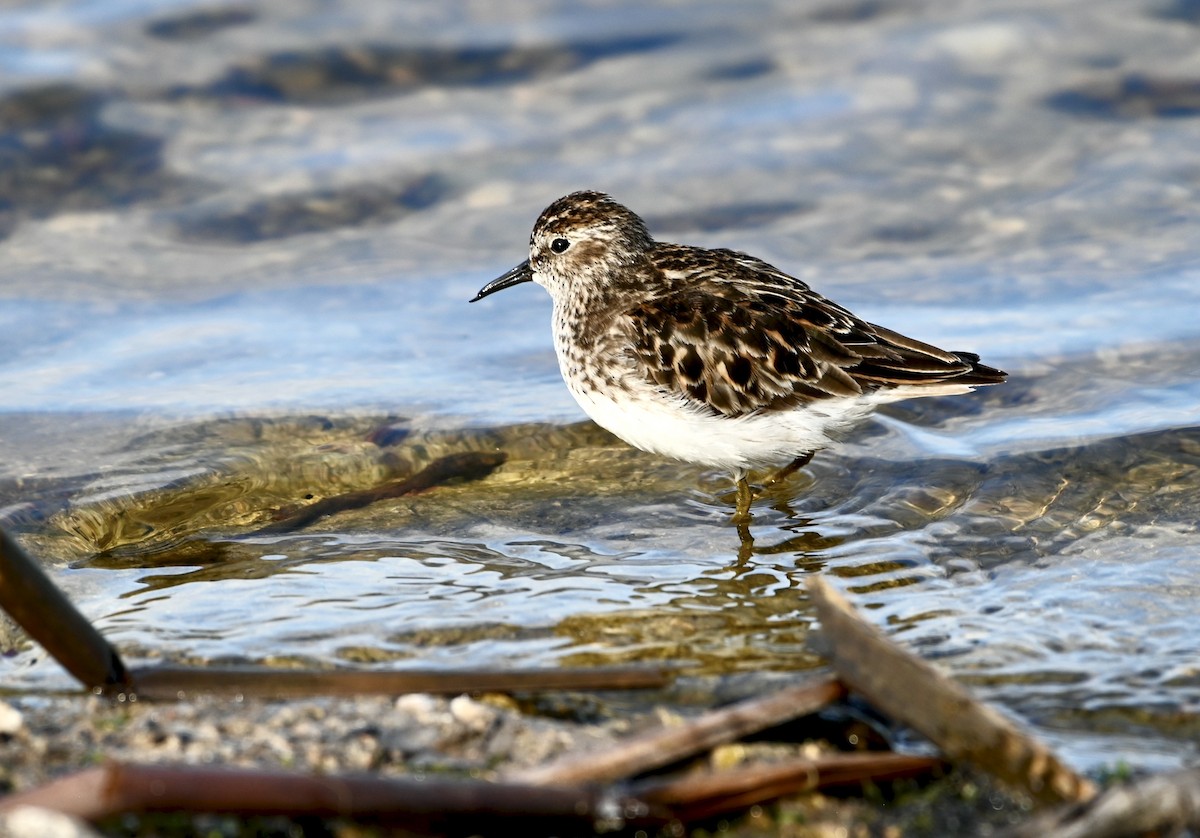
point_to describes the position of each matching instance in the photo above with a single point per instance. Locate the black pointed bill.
(521, 273)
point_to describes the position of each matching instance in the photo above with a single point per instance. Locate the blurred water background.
(237, 240)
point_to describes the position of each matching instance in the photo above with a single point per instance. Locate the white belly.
(667, 425)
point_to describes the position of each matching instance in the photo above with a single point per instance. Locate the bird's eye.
(559, 245)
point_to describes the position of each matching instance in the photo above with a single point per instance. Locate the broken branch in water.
(39, 607)
(913, 692)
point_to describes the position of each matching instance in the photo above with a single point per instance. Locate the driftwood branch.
(692, 798)
(174, 682)
(461, 805)
(912, 691)
(671, 744)
(38, 606)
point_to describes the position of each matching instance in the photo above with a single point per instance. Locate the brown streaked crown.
(602, 237)
(595, 212)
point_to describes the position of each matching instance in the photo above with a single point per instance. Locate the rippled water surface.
(236, 244)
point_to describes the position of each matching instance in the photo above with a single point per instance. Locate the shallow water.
(238, 244)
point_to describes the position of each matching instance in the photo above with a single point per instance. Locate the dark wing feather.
(734, 333)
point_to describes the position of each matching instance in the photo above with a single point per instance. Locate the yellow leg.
(744, 496)
(745, 543)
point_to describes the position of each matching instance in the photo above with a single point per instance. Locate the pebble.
(472, 714)
(36, 822)
(11, 720)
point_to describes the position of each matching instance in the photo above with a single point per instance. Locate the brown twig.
(702, 796)
(914, 692)
(671, 744)
(461, 805)
(38, 606)
(172, 682)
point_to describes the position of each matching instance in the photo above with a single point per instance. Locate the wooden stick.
(98, 793)
(671, 744)
(693, 798)
(914, 692)
(174, 682)
(38, 606)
